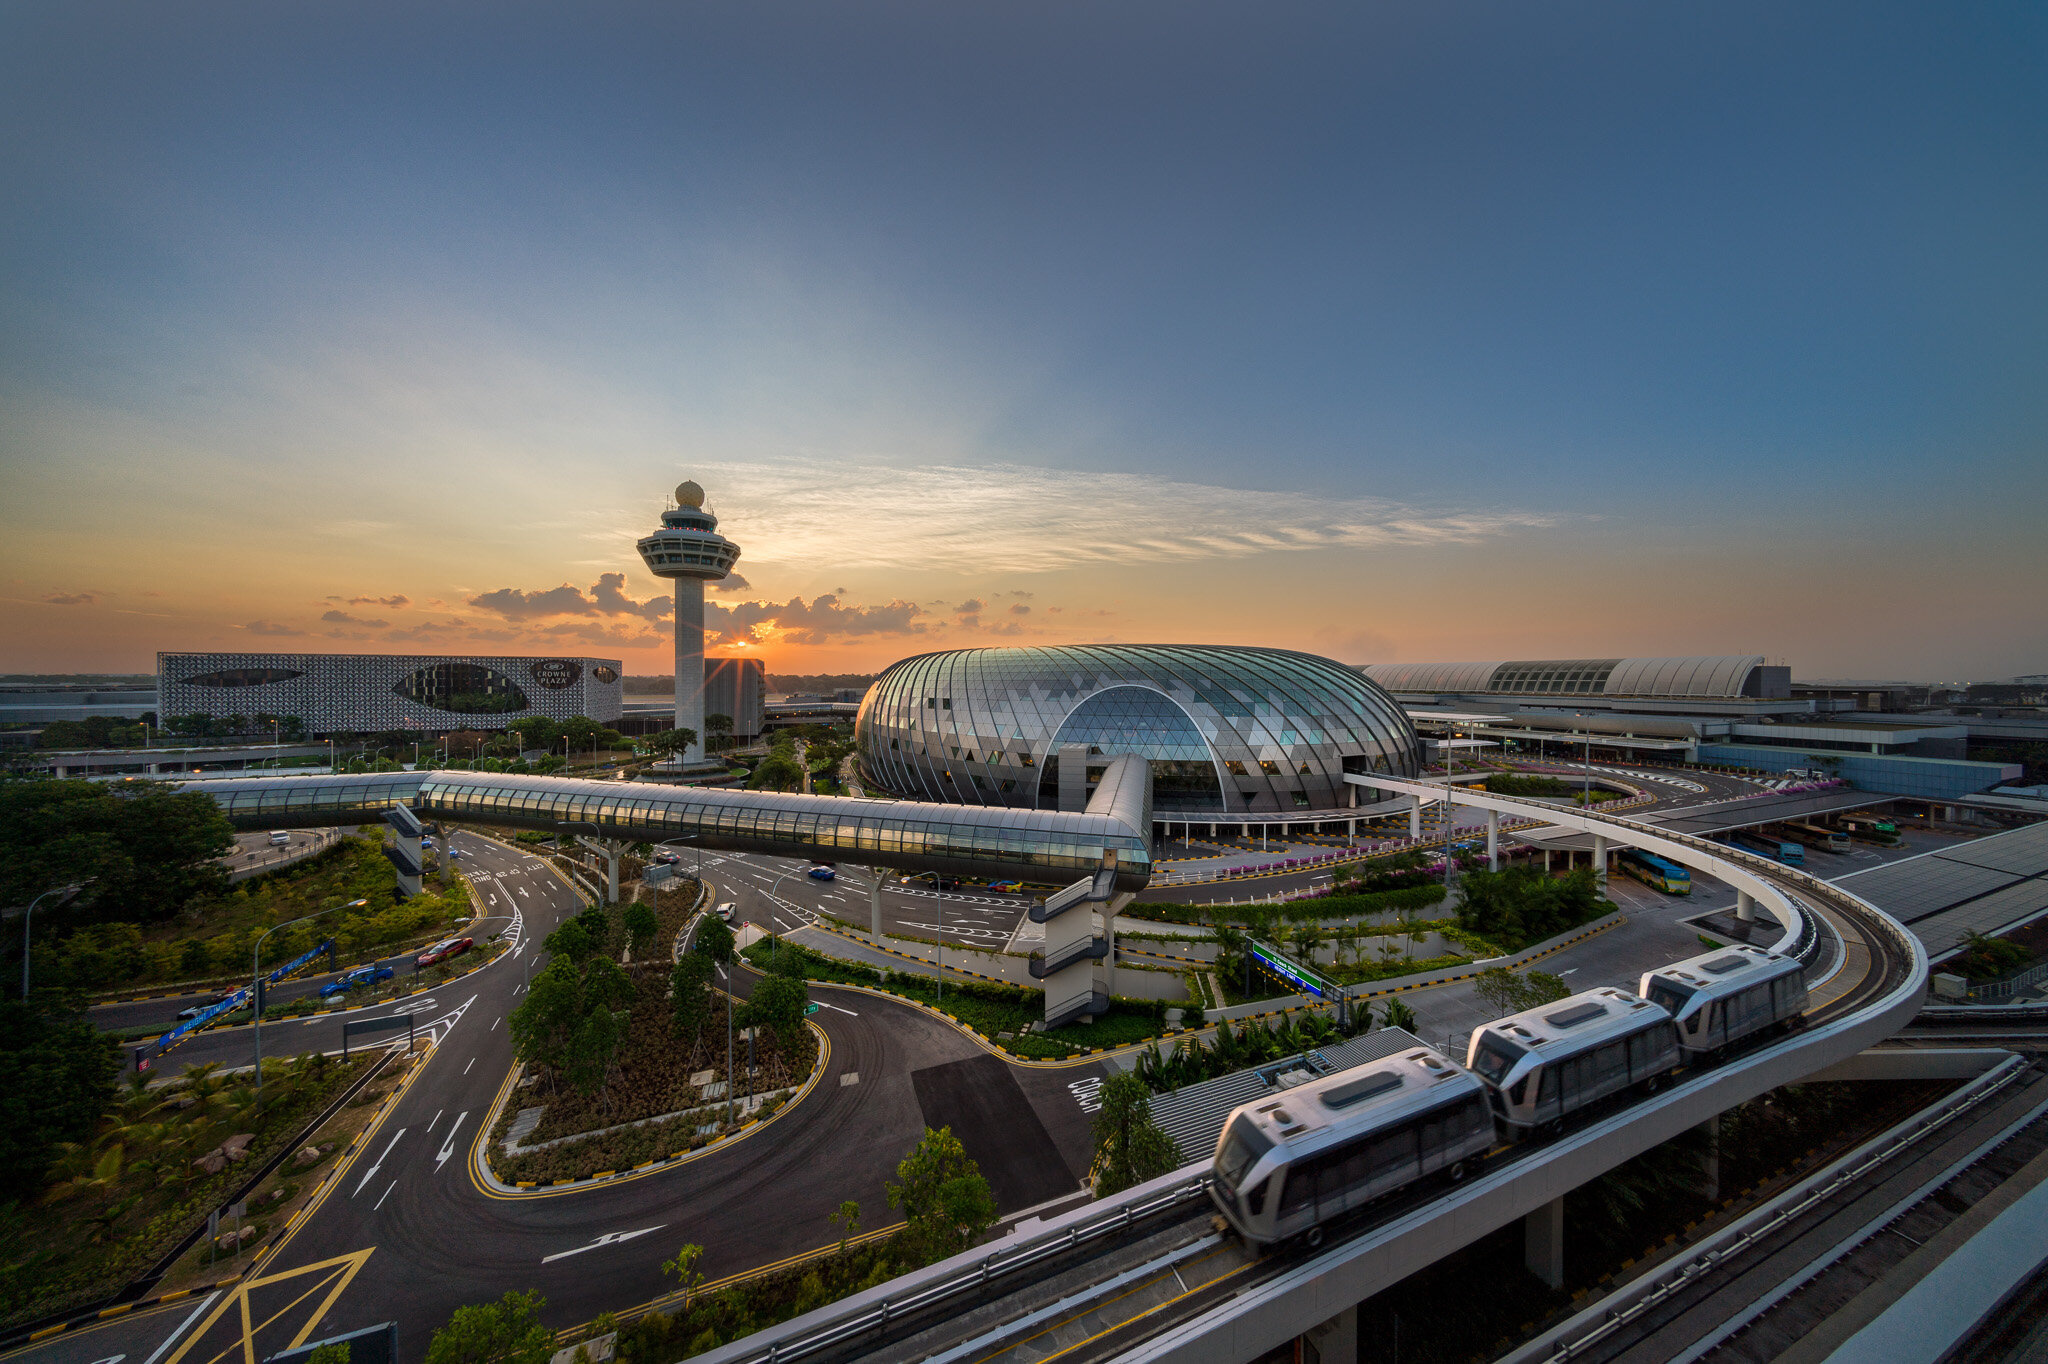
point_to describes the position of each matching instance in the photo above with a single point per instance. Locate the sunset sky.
(1386, 332)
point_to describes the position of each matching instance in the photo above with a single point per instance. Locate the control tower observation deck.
(689, 551)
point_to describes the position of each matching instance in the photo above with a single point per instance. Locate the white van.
(725, 911)
(280, 838)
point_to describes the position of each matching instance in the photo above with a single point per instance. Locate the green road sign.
(810, 1009)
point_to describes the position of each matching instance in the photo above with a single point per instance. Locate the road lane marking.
(448, 1147)
(610, 1238)
(823, 1005)
(472, 1061)
(380, 1161)
(437, 1117)
(386, 1194)
(182, 1326)
(495, 1022)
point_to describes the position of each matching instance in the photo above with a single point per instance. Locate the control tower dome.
(689, 552)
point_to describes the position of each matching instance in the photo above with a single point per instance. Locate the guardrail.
(877, 1308)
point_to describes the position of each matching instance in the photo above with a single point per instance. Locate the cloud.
(607, 598)
(344, 618)
(608, 593)
(269, 627)
(394, 602)
(1012, 518)
(513, 604)
(1020, 609)
(731, 582)
(824, 619)
(72, 598)
(973, 606)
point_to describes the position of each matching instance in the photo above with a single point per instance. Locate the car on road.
(822, 874)
(280, 838)
(667, 858)
(443, 950)
(1006, 886)
(357, 979)
(725, 911)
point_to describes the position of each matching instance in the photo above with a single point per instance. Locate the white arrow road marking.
(413, 1006)
(523, 891)
(823, 1005)
(448, 1146)
(610, 1238)
(380, 1161)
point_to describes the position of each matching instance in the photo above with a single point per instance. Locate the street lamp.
(67, 892)
(256, 980)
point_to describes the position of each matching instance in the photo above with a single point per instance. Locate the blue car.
(356, 979)
(823, 874)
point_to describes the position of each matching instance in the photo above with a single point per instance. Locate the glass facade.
(1227, 729)
(1037, 846)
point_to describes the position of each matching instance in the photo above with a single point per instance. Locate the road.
(409, 1233)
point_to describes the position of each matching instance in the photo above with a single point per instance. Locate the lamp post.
(67, 892)
(1450, 764)
(256, 980)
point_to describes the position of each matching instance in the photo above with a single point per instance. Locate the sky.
(1387, 332)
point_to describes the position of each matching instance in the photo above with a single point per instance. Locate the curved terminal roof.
(1717, 676)
(1225, 728)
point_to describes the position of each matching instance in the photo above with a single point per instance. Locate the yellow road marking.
(340, 1271)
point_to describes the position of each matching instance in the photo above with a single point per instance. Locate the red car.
(442, 951)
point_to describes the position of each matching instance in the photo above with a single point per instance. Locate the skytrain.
(1288, 1165)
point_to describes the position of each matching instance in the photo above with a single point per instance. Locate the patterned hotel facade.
(374, 693)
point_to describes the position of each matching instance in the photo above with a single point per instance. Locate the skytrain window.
(1496, 1058)
(1242, 1148)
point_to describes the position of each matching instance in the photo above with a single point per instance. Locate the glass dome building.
(1229, 731)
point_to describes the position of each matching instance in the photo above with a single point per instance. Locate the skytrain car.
(1543, 1064)
(1720, 997)
(1286, 1165)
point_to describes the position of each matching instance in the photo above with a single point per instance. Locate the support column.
(688, 596)
(1493, 840)
(1415, 816)
(1745, 906)
(1546, 861)
(1109, 912)
(1543, 1242)
(609, 849)
(1599, 857)
(1710, 1165)
(1333, 1342)
(879, 877)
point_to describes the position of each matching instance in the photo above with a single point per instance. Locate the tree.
(587, 1060)
(1130, 1148)
(507, 1331)
(719, 725)
(684, 1268)
(669, 741)
(1396, 1014)
(1498, 990)
(549, 1015)
(538, 731)
(152, 849)
(336, 1353)
(779, 771)
(570, 942)
(848, 1221)
(641, 925)
(777, 1002)
(56, 1078)
(689, 984)
(714, 940)
(945, 1201)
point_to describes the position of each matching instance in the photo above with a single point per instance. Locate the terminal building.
(382, 693)
(1244, 734)
(1732, 709)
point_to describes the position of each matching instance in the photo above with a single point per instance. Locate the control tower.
(689, 551)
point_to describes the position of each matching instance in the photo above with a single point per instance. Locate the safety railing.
(874, 1316)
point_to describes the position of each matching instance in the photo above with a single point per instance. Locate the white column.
(1600, 857)
(1493, 840)
(1745, 907)
(1415, 816)
(689, 608)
